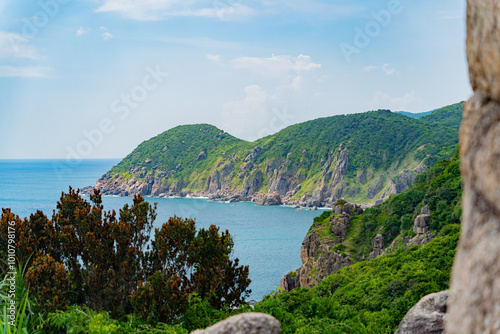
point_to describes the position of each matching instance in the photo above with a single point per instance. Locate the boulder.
(427, 316)
(421, 225)
(378, 246)
(270, 199)
(245, 323)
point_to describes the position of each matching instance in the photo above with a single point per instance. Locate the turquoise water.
(268, 239)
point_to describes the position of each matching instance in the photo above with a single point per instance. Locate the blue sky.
(94, 78)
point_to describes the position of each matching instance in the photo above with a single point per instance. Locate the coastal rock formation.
(474, 305)
(427, 316)
(312, 168)
(318, 254)
(270, 199)
(378, 247)
(245, 323)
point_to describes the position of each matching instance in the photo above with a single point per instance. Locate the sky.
(87, 79)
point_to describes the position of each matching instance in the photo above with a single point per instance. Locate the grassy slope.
(376, 141)
(373, 296)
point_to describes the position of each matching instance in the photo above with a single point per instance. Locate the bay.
(267, 239)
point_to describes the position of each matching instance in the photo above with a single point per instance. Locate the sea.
(267, 239)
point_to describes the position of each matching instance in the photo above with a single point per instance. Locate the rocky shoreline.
(272, 199)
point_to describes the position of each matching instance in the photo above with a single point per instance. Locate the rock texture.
(428, 316)
(378, 247)
(421, 228)
(421, 224)
(270, 199)
(475, 285)
(252, 178)
(246, 323)
(319, 258)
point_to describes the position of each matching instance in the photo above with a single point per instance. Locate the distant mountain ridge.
(415, 115)
(360, 157)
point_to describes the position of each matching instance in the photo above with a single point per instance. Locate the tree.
(88, 256)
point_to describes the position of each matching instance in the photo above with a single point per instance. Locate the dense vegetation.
(377, 142)
(175, 287)
(373, 296)
(87, 258)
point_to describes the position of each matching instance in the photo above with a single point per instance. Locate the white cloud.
(388, 71)
(370, 68)
(81, 31)
(25, 72)
(405, 103)
(13, 45)
(107, 36)
(153, 10)
(214, 58)
(276, 65)
(262, 112)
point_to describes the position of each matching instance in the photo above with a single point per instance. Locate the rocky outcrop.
(402, 181)
(318, 254)
(202, 155)
(256, 152)
(378, 247)
(376, 186)
(270, 199)
(421, 225)
(428, 316)
(250, 179)
(474, 305)
(421, 228)
(245, 323)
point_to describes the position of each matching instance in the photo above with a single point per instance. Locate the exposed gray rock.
(420, 239)
(361, 178)
(378, 246)
(402, 181)
(317, 252)
(270, 199)
(202, 155)
(251, 184)
(475, 299)
(245, 323)
(290, 281)
(428, 316)
(256, 152)
(421, 225)
(376, 186)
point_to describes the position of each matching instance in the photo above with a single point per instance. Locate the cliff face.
(309, 164)
(282, 179)
(321, 252)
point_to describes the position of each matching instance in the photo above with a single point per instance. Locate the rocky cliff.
(322, 252)
(309, 164)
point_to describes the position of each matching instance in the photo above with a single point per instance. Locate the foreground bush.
(89, 257)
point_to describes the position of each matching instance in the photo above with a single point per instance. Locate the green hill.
(373, 296)
(360, 157)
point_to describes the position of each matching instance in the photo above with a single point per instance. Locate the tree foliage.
(106, 261)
